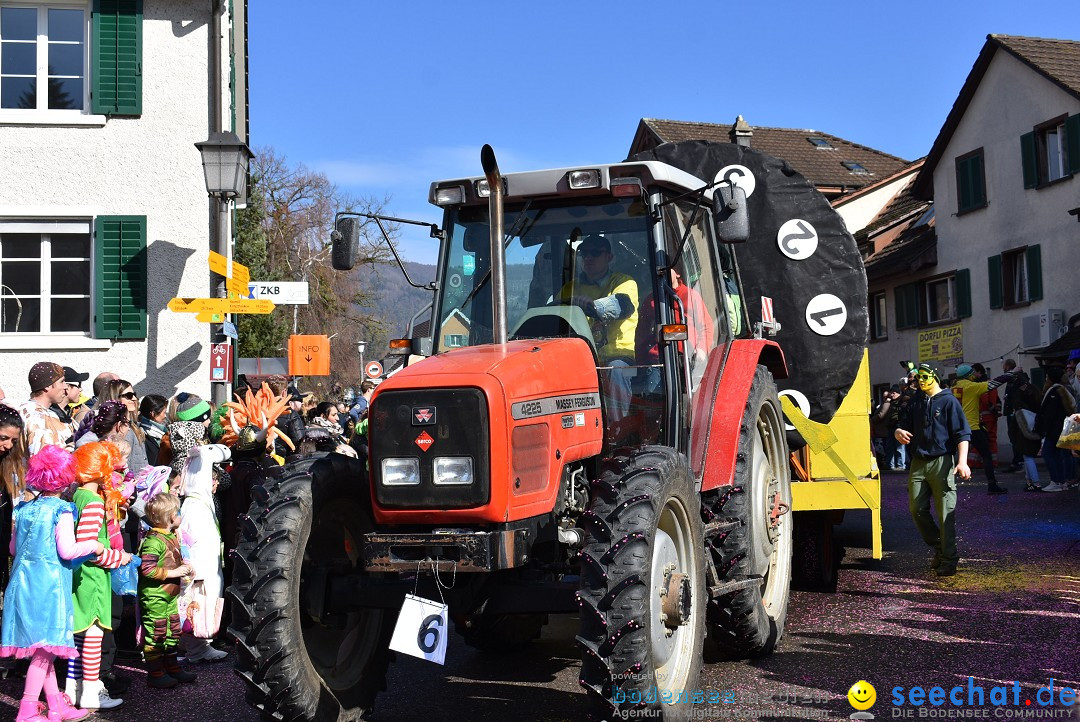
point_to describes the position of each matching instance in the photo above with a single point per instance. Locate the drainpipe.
(219, 232)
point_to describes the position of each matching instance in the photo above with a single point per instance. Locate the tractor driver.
(609, 299)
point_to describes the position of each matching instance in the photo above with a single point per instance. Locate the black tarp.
(822, 367)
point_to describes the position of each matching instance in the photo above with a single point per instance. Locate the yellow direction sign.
(220, 264)
(209, 317)
(235, 285)
(221, 305)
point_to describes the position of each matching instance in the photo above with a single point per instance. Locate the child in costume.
(159, 586)
(37, 621)
(199, 531)
(92, 587)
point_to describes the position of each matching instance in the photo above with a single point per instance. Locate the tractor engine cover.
(519, 412)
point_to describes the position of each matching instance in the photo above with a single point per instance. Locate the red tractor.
(596, 431)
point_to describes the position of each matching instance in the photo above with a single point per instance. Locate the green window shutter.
(963, 293)
(1072, 142)
(1027, 160)
(907, 306)
(963, 186)
(997, 294)
(978, 181)
(1033, 256)
(116, 62)
(120, 277)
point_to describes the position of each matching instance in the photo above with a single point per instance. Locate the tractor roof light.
(483, 190)
(579, 179)
(400, 347)
(626, 187)
(449, 195)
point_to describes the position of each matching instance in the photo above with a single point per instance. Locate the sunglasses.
(592, 252)
(130, 396)
(925, 377)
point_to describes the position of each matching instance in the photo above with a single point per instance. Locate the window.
(933, 300)
(455, 340)
(820, 143)
(45, 278)
(940, 299)
(879, 327)
(43, 58)
(1051, 151)
(1015, 277)
(856, 168)
(56, 277)
(970, 182)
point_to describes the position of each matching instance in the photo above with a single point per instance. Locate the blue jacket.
(937, 424)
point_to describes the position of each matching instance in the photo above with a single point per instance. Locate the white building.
(104, 215)
(972, 278)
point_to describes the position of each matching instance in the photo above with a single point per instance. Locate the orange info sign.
(309, 356)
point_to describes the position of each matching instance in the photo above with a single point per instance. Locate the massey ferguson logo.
(423, 415)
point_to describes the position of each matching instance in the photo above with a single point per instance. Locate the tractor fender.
(720, 403)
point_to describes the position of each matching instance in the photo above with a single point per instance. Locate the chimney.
(741, 132)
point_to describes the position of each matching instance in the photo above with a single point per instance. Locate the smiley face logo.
(862, 695)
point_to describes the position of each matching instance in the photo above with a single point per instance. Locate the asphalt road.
(1012, 613)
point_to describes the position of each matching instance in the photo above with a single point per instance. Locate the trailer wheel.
(642, 591)
(300, 663)
(501, 633)
(749, 532)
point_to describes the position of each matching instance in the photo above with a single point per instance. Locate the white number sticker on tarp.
(421, 629)
(797, 239)
(826, 314)
(740, 176)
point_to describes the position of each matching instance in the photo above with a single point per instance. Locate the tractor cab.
(623, 256)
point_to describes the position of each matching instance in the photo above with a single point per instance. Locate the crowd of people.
(925, 427)
(116, 508)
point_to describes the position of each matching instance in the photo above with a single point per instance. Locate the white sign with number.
(421, 629)
(282, 293)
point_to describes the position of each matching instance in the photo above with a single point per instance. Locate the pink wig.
(51, 469)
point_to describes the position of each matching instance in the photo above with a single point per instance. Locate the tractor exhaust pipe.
(498, 255)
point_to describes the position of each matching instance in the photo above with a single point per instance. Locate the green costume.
(91, 585)
(160, 554)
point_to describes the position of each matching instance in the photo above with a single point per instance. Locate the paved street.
(1011, 613)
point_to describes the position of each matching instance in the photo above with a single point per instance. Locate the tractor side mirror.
(730, 215)
(345, 240)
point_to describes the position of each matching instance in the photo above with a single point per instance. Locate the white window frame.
(451, 337)
(1053, 147)
(43, 115)
(46, 219)
(1015, 278)
(879, 314)
(931, 308)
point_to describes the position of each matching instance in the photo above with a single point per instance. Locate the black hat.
(71, 376)
(928, 368)
(595, 241)
(296, 395)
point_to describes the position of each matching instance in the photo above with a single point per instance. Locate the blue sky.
(386, 97)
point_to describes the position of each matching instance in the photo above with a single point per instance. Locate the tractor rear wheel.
(642, 589)
(749, 532)
(299, 661)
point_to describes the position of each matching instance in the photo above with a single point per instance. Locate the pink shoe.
(31, 711)
(60, 708)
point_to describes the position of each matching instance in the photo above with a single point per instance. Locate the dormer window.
(856, 168)
(820, 143)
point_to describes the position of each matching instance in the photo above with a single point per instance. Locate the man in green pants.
(938, 434)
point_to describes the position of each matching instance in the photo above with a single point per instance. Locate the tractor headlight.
(453, 470)
(401, 472)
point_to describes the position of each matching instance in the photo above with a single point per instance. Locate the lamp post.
(360, 347)
(225, 160)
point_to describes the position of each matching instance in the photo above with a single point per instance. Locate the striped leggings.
(87, 666)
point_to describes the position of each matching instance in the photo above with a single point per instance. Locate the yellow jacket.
(614, 339)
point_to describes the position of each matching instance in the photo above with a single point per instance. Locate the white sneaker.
(72, 687)
(95, 696)
(207, 654)
(1052, 486)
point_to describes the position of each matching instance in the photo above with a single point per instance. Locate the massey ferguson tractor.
(596, 430)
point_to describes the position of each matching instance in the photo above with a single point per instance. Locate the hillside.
(396, 301)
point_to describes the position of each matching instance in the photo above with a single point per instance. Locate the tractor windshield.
(572, 269)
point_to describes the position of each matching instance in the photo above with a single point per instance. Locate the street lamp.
(225, 161)
(360, 346)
